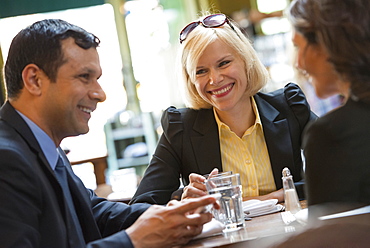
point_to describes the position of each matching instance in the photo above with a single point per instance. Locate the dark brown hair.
(343, 29)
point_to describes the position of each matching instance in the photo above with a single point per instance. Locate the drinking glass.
(231, 212)
(223, 173)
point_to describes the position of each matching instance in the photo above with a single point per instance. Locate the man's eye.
(84, 76)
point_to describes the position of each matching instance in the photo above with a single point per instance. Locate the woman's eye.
(224, 63)
(200, 71)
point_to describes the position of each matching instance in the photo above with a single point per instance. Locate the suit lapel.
(205, 142)
(10, 115)
(277, 137)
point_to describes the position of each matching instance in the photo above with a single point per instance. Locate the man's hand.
(172, 225)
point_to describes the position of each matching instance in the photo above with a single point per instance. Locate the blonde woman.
(228, 123)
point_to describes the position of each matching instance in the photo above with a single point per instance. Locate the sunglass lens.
(184, 33)
(214, 20)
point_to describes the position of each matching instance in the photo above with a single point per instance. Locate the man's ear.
(32, 77)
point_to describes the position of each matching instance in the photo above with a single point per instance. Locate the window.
(100, 21)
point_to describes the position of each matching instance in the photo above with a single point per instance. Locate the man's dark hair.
(40, 44)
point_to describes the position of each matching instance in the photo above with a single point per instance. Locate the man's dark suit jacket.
(190, 143)
(32, 207)
(337, 152)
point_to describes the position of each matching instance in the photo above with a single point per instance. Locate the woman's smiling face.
(220, 77)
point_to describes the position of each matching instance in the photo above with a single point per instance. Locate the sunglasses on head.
(211, 21)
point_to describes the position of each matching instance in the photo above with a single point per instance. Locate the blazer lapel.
(10, 115)
(78, 191)
(205, 142)
(277, 137)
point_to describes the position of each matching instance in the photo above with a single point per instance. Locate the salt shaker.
(290, 193)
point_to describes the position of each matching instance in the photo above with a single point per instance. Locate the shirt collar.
(46, 143)
(257, 122)
(255, 109)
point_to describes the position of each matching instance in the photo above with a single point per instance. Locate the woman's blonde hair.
(195, 44)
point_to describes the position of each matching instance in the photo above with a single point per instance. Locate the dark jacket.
(190, 143)
(337, 154)
(32, 208)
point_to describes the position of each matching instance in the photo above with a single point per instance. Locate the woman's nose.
(215, 77)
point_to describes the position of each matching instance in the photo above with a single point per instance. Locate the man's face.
(68, 102)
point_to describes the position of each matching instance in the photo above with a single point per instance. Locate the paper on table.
(254, 208)
(211, 228)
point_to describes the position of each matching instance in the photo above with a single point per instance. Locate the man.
(51, 76)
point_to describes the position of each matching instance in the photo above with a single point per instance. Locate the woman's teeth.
(222, 90)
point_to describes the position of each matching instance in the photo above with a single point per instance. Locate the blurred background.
(139, 43)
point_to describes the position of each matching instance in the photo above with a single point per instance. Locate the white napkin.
(302, 216)
(254, 208)
(211, 228)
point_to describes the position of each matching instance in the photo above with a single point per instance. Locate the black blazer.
(190, 143)
(32, 208)
(337, 155)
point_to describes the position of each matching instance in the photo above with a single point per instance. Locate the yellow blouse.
(247, 156)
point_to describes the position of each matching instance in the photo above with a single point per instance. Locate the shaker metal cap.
(286, 172)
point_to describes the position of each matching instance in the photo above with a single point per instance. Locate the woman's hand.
(196, 187)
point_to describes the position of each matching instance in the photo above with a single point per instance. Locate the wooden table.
(259, 232)
(270, 230)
